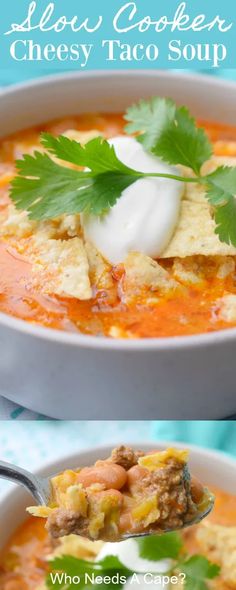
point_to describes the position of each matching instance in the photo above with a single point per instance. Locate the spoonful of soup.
(129, 494)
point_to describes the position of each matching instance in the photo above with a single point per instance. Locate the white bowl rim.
(85, 341)
(104, 342)
(180, 75)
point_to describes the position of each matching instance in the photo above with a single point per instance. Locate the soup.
(135, 298)
(23, 562)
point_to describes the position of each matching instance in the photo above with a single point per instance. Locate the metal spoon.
(40, 489)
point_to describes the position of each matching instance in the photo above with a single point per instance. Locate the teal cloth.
(210, 434)
(32, 443)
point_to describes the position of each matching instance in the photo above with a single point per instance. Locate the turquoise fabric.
(221, 73)
(33, 443)
(211, 434)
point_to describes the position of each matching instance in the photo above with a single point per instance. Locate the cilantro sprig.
(196, 569)
(156, 547)
(47, 188)
(169, 132)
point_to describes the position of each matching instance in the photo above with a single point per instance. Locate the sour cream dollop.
(145, 216)
(128, 554)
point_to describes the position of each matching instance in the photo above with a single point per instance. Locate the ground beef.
(125, 456)
(62, 522)
(172, 485)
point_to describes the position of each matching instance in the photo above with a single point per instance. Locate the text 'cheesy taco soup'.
(120, 225)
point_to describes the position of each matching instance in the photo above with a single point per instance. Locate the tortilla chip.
(16, 223)
(39, 511)
(69, 225)
(195, 192)
(66, 266)
(100, 270)
(195, 234)
(219, 544)
(226, 267)
(143, 271)
(187, 270)
(226, 307)
(161, 458)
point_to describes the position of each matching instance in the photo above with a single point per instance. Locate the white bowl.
(76, 376)
(211, 467)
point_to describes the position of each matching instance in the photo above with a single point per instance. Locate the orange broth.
(28, 547)
(179, 315)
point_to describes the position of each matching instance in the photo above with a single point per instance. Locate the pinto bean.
(109, 474)
(113, 494)
(134, 474)
(197, 490)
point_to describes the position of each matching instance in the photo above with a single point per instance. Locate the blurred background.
(34, 443)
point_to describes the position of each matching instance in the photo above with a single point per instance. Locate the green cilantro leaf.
(169, 132)
(46, 190)
(97, 154)
(225, 218)
(183, 143)
(221, 185)
(150, 118)
(197, 570)
(156, 547)
(221, 193)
